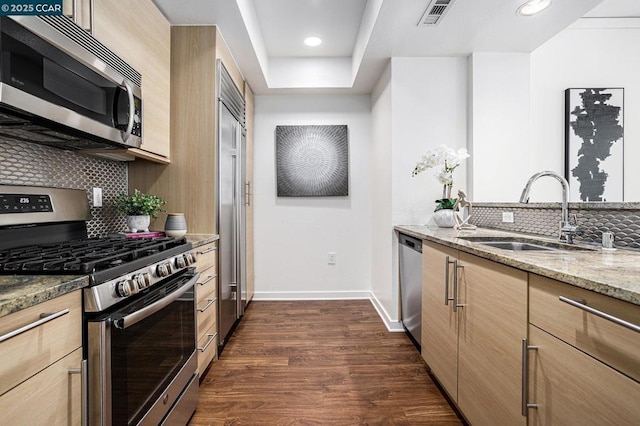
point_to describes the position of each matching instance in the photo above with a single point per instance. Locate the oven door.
(142, 357)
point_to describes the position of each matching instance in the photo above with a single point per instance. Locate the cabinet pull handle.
(209, 250)
(209, 278)
(616, 320)
(44, 318)
(212, 337)
(446, 281)
(248, 194)
(74, 11)
(211, 302)
(84, 390)
(456, 305)
(525, 376)
(90, 17)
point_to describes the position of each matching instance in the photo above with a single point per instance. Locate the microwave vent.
(435, 12)
(80, 36)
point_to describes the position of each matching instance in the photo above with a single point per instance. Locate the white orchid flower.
(447, 157)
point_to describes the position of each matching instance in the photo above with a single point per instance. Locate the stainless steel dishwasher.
(410, 253)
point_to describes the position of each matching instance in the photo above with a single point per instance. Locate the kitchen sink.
(524, 244)
(516, 245)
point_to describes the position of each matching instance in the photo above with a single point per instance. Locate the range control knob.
(125, 289)
(142, 280)
(164, 269)
(190, 258)
(161, 270)
(181, 262)
(147, 279)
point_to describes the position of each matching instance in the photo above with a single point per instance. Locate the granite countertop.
(614, 273)
(198, 240)
(19, 292)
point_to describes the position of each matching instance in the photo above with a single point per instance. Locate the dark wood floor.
(319, 363)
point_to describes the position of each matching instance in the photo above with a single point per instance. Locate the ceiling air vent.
(435, 12)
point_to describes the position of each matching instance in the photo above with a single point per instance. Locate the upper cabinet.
(137, 31)
(189, 183)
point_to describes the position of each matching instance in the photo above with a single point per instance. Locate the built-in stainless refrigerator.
(231, 205)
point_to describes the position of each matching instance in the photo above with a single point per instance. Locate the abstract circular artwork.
(312, 161)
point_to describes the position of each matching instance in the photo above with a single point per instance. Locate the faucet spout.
(566, 228)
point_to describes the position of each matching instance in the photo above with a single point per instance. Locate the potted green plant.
(139, 208)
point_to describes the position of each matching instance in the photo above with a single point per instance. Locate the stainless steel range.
(139, 310)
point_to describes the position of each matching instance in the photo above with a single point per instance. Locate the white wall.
(500, 125)
(383, 285)
(429, 108)
(294, 235)
(418, 104)
(584, 58)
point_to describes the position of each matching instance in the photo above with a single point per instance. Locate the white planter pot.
(138, 223)
(444, 218)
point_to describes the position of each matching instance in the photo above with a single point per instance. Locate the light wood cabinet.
(206, 311)
(439, 322)
(138, 32)
(474, 320)
(248, 96)
(51, 397)
(584, 369)
(39, 367)
(189, 182)
(493, 322)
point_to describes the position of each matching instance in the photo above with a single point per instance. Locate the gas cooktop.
(104, 257)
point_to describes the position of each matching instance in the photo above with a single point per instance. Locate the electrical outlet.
(507, 217)
(97, 197)
(331, 258)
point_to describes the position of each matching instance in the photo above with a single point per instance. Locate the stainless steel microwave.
(56, 91)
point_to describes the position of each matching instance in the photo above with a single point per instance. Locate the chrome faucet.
(567, 229)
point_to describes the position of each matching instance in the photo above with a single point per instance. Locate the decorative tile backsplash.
(623, 219)
(24, 163)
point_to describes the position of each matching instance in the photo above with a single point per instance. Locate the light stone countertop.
(19, 292)
(614, 273)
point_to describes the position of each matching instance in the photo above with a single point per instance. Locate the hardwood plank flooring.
(319, 363)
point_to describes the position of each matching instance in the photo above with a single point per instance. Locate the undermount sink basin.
(515, 245)
(524, 244)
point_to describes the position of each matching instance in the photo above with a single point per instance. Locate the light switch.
(507, 217)
(97, 197)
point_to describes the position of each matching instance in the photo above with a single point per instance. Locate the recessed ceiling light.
(533, 6)
(313, 41)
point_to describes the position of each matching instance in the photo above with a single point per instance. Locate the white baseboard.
(392, 325)
(332, 295)
(310, 295)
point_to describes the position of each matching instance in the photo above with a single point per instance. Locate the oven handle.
(143, 313)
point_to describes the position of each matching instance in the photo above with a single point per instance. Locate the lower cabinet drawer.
(207, 285)
(206, 256)
(29, 352)
(207, 348)
(571, 388)
(207, 313)
(609, 342)
(51, 397)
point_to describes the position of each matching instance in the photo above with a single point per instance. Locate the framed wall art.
(594, 144)
(312, 161)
